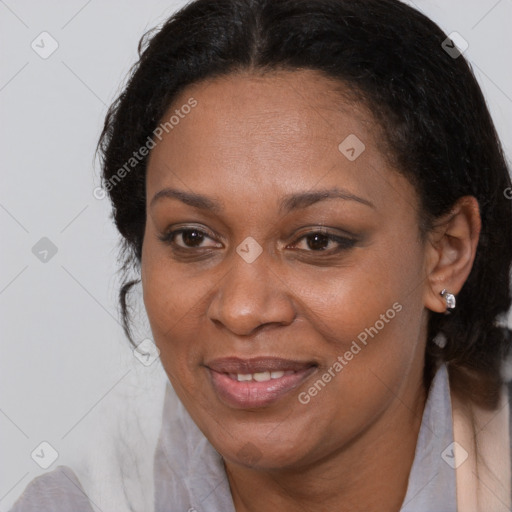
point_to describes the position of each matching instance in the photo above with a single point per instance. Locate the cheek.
(169, 298)
(370, 353)
(171, 305)
(370, 315)
(342, 301)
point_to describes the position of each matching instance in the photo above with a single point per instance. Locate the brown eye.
(189, 238)
(192, 237)
(320, 241)
(317, 241)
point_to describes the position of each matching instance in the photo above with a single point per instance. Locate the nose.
(250, 296)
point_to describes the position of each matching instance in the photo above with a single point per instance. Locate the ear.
(450, 251)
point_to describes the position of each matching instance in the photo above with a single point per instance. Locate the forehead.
(277, 131)
(284, 107)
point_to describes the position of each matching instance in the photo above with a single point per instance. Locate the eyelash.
(168, 237)
(344, 243)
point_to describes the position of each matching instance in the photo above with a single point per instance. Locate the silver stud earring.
(449, 298)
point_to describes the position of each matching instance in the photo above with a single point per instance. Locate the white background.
(64, 359)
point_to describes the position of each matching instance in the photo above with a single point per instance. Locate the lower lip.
(252, 394)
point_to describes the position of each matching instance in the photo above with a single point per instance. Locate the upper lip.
(256, 365)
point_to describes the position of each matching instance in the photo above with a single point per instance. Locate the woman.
(315, 196)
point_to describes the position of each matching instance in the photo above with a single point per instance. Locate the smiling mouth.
(258, 382)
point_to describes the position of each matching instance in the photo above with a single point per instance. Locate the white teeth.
(260, 376)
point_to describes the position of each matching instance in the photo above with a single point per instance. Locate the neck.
(370, 473)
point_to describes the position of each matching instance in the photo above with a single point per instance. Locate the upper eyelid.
(332, 237)
(327, 231)
(175, 232)
(180, 229)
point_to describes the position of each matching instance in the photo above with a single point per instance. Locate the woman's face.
(288, 304)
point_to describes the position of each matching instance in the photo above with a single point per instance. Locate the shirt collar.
(432, 481)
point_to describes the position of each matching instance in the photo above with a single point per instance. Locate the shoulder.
(56, 491)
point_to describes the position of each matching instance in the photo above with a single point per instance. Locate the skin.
(250, 141)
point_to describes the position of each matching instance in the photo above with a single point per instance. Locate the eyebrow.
(287, 204)
(190, 198)
(305, 199)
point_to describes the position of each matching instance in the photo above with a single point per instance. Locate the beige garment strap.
(486, 486)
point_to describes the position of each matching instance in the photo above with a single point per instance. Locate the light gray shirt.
(189, 474)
